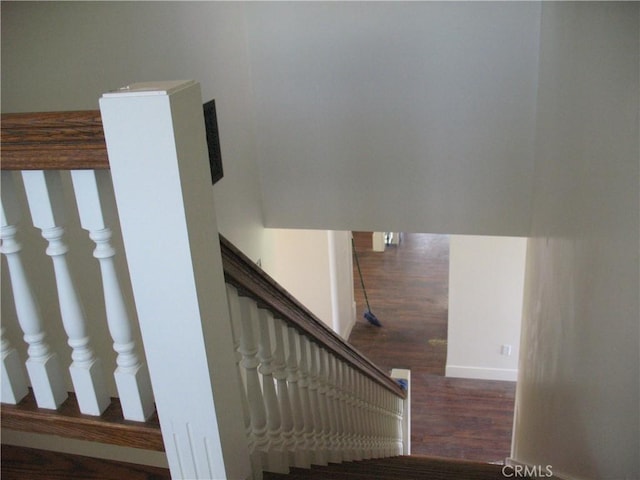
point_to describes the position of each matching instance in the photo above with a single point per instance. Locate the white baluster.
(326, 397)
(301, 452)
(367, 414)
(387, 423)
(44, 192)
(361, 417)
(321, 393)
(277, 457)
(255, 400)
(284, 398)
(308, 395)
(131, 375)
(381, 417)
(336, 406)
(377, 418)
(353, 425)
(316, 407)
(43, 366)
(14, 381)
(343, 411)
(234, 310)
(234, 316)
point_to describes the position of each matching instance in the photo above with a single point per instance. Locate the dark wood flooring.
(408, 288)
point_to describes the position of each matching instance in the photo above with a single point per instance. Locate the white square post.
(405, 375)
(158, 155)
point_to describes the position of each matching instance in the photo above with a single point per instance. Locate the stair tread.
(22, 463)
(405, 467)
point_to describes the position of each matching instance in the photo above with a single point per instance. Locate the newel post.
(157, 151)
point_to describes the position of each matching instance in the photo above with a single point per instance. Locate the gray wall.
(370, 116)
(578, 393)
(64, 55)
(383, 116)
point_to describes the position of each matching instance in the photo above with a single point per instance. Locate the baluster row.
(45, 199)
(305, 405)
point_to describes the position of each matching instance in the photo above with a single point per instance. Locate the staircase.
(292, 398)
(31, 464)
(404, 467)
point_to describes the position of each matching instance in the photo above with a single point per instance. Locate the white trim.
(483, 373)
(346, 333)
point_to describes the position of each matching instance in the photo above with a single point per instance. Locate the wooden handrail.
(75, 140)
(53, 141)
(68, 422)
(253, 282)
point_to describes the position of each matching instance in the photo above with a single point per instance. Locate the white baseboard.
(482, 373)
(346, 331)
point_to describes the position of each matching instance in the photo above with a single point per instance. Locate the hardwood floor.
(408, 287)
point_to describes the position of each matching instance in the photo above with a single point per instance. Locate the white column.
(45, 198)
(132, 377)
(159, 165)
(43, 365)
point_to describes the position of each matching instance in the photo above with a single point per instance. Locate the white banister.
(132, 377)
(42, 364)
(156, 142)
(45, 198)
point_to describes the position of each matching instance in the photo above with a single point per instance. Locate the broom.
(370, 317)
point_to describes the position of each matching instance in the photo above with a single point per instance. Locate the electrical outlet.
(505, 350)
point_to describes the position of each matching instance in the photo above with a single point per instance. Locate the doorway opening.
(409, 289)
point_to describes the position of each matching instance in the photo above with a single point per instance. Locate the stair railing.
(245, 378)
(35, 152)
(345, 407)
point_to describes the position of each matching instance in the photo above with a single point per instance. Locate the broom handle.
(355, 254)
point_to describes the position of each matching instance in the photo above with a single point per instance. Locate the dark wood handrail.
(68, 422)
(253, 282)
(53, 141)
(75, 140)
